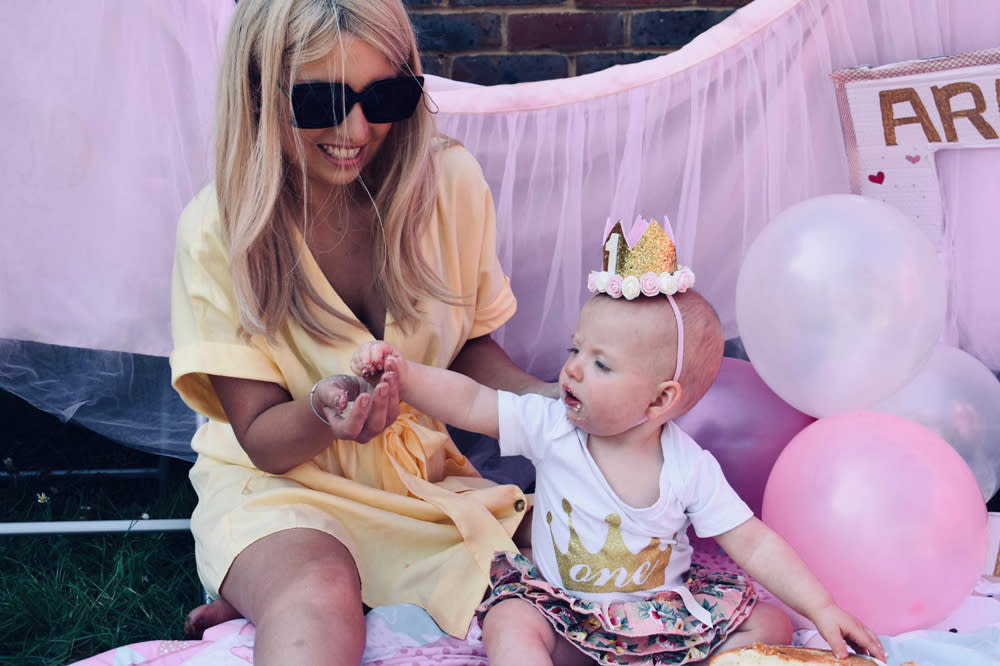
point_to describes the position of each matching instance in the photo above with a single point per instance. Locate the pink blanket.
(404, 635)
(397, 636)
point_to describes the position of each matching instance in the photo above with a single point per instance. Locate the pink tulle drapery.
(107, 135)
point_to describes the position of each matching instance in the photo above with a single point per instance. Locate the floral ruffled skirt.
(656, 630)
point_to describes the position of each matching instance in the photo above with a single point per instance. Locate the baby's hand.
(839, 628)
(369, 361)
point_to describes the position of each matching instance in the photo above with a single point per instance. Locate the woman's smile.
(343, 156)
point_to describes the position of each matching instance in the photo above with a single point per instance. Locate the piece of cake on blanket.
(759, 654)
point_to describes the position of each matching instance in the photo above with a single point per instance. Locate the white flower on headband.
(630, 287)
(668, 284)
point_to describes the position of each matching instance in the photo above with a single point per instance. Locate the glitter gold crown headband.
(646, 267)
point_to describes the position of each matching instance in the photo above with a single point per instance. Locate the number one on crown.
(612, 247)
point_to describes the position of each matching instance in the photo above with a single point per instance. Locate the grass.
(67, 597)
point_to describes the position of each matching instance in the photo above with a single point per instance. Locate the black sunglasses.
(326, 104)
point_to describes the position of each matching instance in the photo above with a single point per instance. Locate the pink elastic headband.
(680, 338)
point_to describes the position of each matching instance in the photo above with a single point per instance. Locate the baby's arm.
(445, 395)
(769, 559)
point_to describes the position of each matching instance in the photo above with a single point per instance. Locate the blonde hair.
(260, 191)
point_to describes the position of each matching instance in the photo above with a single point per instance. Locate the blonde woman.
(337, 217)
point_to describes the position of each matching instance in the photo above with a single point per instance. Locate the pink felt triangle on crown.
(638, 228)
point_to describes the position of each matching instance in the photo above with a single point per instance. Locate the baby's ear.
(666, 401)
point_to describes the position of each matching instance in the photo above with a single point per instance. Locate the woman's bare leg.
(515, 633)
(300, 588)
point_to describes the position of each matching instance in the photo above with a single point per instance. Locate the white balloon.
(958, 398)
(839, 301)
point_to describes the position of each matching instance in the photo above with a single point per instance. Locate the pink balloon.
(745, 425)
(886, 514)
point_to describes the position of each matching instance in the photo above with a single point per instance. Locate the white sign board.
(897, 116)
(916, 129)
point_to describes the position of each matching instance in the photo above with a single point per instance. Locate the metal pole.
(95, 526)
(140, 472)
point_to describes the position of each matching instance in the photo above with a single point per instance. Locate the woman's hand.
(353, 409)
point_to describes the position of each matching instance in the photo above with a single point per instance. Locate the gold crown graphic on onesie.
(647, 266)
(614, 568)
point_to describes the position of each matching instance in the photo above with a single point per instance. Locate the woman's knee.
(326, 582)
(301, 568)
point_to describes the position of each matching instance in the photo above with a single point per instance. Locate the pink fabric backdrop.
(720, 136)
(108, 111)
(108, 119)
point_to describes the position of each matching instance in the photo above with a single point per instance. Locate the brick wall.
(506, 41)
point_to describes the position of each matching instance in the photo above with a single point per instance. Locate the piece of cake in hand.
(759, 654)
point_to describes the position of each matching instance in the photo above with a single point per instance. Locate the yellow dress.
(420, 522)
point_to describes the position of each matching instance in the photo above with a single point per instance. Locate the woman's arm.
(279, 433)
(484, 361)
(770, 560)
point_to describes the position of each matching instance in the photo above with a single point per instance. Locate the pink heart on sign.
(913, 159)
(877, 178)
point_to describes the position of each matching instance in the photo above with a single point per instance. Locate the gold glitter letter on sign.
(942, 97)
(887, 98)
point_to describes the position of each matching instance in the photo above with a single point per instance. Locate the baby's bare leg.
(767, 624)
(516, 634)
